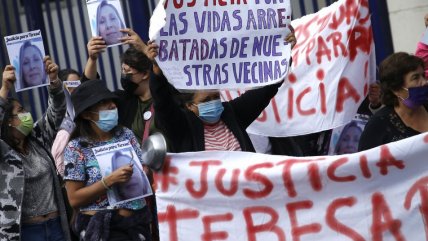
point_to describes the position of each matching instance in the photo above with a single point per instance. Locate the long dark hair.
(6, 133)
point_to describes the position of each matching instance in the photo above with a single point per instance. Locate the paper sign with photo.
(106, 19)
(26, 53)
(114, 156)
(345, 139)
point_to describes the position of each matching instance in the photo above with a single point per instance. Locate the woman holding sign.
(204, 122)
(27, 213)
(87, 186)
(405, 94)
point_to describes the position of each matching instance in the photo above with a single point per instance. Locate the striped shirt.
(218, 137)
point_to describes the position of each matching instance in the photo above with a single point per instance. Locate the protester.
(405, 92)
(97, 125)
(203, 122)
(422, 47)
(32, 205)
(134, 103)
(31, 69)
(67, 125)
(109, 23)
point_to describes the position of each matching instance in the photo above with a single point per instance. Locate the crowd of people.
(58, 148)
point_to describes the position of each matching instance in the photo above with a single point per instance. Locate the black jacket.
(185, 130)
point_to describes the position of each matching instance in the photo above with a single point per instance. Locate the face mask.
(417, 97)
(210, 111)
(26, 125)
(127, 84)
(107, 119)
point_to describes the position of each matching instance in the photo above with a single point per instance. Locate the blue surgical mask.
(417, 96)
(210, 111)
(107, 119)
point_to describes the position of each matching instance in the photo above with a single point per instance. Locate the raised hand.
(133, 39)
(51, 70)
(95, 46)
(374, 95)
(8, 80)
(291, 38)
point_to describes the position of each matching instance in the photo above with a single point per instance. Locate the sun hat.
(88, 94)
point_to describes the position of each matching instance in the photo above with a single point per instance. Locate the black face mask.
(127, 84)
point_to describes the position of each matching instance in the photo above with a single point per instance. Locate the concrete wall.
(407, 22)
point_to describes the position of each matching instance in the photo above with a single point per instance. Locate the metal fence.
(66, 31)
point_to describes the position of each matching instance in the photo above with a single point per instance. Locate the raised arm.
(46, 128)
(8, 79)
(95, 46)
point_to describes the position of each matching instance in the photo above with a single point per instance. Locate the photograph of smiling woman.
(31, 68)
(109, 22)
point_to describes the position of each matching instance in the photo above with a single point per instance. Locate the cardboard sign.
(222, 44)
(113, 156)
(333, 66)
(379, 194)
(106, 19)
(26, 53)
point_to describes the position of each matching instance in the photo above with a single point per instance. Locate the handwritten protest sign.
(222, 44)
(106, 19)
(114, 156)
(333, 66)
(26, 53)
(379, 194)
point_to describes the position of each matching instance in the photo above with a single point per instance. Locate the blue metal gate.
(65, 29)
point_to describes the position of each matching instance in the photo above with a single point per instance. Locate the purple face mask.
(417, 97)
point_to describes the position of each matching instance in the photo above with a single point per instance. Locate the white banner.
(379, 194)
(333, 66)
(222, 44)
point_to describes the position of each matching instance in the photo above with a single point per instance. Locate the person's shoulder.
(77, 142)
(382, 113)
(124, 132)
